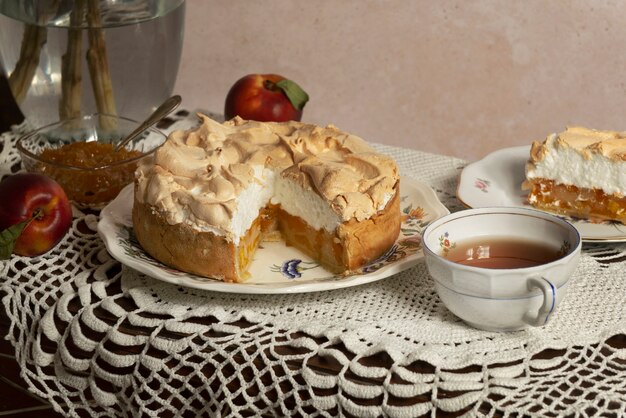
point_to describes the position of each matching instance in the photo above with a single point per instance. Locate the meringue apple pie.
(211, 194)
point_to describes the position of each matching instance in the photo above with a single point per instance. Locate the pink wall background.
(452, 77)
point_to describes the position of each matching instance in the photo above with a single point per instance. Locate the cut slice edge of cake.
(579, 172)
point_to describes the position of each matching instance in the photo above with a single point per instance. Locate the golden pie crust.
(353, 245)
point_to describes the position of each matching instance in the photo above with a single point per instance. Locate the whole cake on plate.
(580, 172)
(211, 194)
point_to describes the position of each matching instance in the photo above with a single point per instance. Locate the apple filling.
(592, 204)
(320, 245)
(349, 247)
(261, 228)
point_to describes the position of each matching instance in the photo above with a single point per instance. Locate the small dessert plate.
(278, 268)
(496, 180)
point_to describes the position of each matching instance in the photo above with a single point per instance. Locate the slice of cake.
(581, 173)
(211, 194)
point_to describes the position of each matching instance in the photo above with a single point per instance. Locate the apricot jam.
(87, 154)
(99, 182)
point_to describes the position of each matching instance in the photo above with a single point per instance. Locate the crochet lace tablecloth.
(98, 339)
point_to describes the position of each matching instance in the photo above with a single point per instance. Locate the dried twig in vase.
(71, 68)
(35, 37)
(21, 78)
(99, 66)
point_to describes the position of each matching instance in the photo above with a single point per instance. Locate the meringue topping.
(198, 176)
(581, 157)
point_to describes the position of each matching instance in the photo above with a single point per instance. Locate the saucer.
(496, 180)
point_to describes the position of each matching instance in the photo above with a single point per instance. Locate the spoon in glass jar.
(165, 109)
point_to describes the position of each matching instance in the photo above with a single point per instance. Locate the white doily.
(99, 339)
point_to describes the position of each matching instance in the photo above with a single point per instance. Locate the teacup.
(501, 269)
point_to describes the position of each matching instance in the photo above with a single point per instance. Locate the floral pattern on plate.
(496, 180)
(482, 185)
(276, 267)
(292, 269)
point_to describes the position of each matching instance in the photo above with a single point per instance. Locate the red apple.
(35, 214)
(265, 98)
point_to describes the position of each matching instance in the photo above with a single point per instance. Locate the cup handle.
(549, 301)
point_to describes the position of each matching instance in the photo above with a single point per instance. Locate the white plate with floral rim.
(278, 268)
(496, 180)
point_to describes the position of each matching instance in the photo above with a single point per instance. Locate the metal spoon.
(161, 111)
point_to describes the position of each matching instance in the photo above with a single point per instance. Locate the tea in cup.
(501, 269)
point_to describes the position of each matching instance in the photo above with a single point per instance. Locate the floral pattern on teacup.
(482, 185)
(445, 244)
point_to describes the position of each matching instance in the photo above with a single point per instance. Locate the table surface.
(89, 346)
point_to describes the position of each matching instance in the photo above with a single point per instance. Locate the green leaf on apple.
(8, 238)
(294, 92)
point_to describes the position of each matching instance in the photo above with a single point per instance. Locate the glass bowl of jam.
(79, 154)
